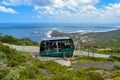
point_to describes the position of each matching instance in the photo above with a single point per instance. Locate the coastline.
(37, 32)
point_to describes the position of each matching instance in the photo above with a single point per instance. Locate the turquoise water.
(37, 32)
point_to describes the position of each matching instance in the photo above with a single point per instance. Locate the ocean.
(40, 31)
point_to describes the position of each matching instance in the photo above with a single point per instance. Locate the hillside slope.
(104, 39)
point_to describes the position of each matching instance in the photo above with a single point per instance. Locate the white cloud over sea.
(69, 10)
(7, 10)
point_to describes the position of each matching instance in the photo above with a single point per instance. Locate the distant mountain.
(104, 39)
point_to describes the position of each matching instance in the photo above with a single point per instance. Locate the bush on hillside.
(13, 56)
(117, 78)
(67, 76)
(39, 63)
(117, 66)
(9, 39)
(94, 76)
(12, 40)
(56, 68)
(3, 73)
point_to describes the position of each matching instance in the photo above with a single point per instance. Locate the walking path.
(35, 51)
(83, 53)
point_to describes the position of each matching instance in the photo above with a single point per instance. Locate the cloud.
(78, 3)
(33, 2)
(50, 2)
(11, 2)
(112, 10)
(7, 10)
(74, 10)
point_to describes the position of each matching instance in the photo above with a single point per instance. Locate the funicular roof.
(56, 38)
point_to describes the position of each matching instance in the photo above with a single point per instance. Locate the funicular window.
(68, 43)
(42, 47)
(56, 45)
(45, 45)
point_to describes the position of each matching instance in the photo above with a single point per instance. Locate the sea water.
(39, 31)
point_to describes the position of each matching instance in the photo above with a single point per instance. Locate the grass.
(112, 52)
(93, 59)
(12, 40)
(56, 68)
(17, 65)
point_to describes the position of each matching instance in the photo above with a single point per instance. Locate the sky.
(59, 11)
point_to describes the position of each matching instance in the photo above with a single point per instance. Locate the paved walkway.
(83, 53)
(35, 51)
(107, 65)
(56, 59)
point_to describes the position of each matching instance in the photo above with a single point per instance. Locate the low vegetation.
(12, 40)
(94, 59)
(15, 65)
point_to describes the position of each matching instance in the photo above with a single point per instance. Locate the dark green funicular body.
(57, 47)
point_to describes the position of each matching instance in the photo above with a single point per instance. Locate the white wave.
(118, 26)
(49, 34)
(83, 31)
(36, 32)
(54, 28)
(87, 31)
(106, 30)
(27, 34)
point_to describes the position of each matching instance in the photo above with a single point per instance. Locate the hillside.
(102, 39)
(12, 40)
(17, 65)
(108, 39)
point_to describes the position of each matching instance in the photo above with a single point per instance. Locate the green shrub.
(13, 56)
(116, 78)
(3, 57)
(92, 68)
(12, 75)
(39, 63)
(27, 41)
(116, 73)
(117, 66)
(67, 76)
(3, 73)
(94, 76)
(92, 59)
(17, 58)
(9, 39)
(54, 67)
(80, 72)
(12, 40)
(18, 67)
(29, 72)
(115, 58)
